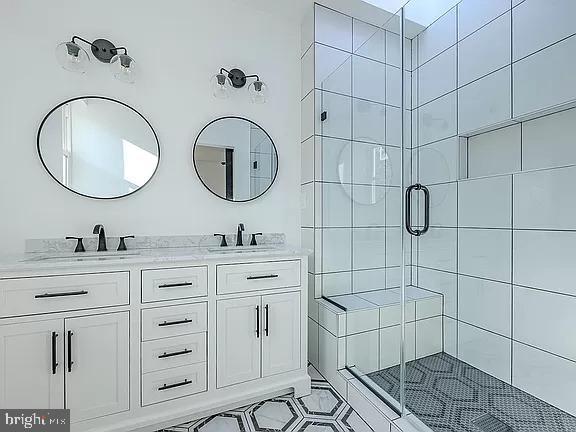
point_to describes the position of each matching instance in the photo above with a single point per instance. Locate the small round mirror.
(235, 159)
(98, 147)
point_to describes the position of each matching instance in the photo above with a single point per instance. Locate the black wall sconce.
(223, 82)
(74, 58)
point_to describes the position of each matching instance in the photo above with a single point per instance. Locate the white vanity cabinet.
(143, 344)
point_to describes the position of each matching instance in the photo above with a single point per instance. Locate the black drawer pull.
(174, 285)
(171, 386)
(174, 354)
(70, 362)
(64, 294)
(169, 323)
(54, 359)
(272, 276)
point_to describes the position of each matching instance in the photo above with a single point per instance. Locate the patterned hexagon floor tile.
(274, 415)
(323, 402)
(315, 425)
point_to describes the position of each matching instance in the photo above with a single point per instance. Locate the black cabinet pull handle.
(408, 210)
(266, 309)
(174, 285)
(169, 323)
(174, 354)
(171, 386)
(271, 276)
(64, 294)
(54, 359)
(257, 321)
(70, 362)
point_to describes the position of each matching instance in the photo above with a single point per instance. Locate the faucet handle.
(79, 244)
(122, 243)
(223, 243)
(253, 239)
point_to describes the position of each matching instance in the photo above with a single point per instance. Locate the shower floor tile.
(452, 396)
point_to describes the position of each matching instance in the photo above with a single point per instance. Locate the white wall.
(179, 46)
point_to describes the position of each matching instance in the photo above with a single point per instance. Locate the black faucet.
(239, 235)
(99, 229)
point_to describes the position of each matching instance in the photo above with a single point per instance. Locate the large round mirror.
(98, 147)
(235, 159)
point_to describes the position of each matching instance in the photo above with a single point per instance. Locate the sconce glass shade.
(221, 86)
(258, 92)
(124, 68)
(72, 57)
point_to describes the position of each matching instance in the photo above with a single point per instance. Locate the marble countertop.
(30, 262)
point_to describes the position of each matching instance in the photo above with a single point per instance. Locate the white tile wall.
(485, 202)
(551, 331)
(390, 345)
(437, 119)
(362, 351)
(438, 162)
(450, 336)
(307, 205)
(369, 41)
(444, 283)
(333, 69)
(369, 205)
(484, 350)
(438, 37)
(538, 24)
(496, 152)
(485, 304)
(485, 253)
(428, 336)
(307, 71)
(307, 161)
(368, 77)
(307, 115)
(473, 14)
(368, 280)
(338, 123)
(438, 248)
(369, 121)
(333, 28)
(485, 51)
(336, 249)
(542, 201)
(393, 246)
(546, 376)
(443, 205)
(313, 342)
(333, 161)
(369, 164)
(369, 251)
(335, 207)
(485, 102)
(336, 283)
(393, 86)
(437, 77)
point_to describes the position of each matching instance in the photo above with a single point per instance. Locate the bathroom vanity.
(141, 340)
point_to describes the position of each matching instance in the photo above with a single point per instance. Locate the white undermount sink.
(82, 256)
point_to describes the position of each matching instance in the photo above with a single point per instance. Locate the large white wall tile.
(545, 259)
(549, 141)
(369, 248)
(485, 304)
(369, 121)
(390, 345)
(369, 164)
(450, 336)
(307, 161)
(545, 376)
(555, 320)
(338, 123)
(485, 51)
(333, 28)
(486, 351)
(443, 205)
(485, 253)
(393, 86)
(545, 79)
(369, 205)
(313, 342)
(393, 204)
(437, 249)
(496, 152)
(307, 240)
(393, 50)
(333, 160)
(538, 24)
(332, 70)
(334, 284)
(428, 336)
(336, 249)
(485, 103)
(541, 199)
(441, 282)
(437, 77)
(307, 117)
(335, 207)
(473, 14)
(369, 41)
(362, 351)
(436, 38)
(368, 280)
(485, 202)
(393, 246)
(437, 119)
(369, 78)
(438, 162)
(307, 71)
(307, 205)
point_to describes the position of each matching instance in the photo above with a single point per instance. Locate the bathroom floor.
(452, 396)
(322, 411)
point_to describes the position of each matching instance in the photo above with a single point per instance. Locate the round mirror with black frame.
(235, 159)
(98, 147)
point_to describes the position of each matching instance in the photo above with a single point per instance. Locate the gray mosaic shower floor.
(449, 395)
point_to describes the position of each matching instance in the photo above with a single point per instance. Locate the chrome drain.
(489, 423)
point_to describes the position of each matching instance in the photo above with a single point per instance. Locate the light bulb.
(221, 85)
(124, 68)
(258, 92)
(72, 57)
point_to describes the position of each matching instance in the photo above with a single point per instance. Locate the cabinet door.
(238, 343)
(281, 337)
(97, 365)
(32, 365)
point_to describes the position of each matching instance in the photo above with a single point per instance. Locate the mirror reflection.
(235, 159)
(98, 147)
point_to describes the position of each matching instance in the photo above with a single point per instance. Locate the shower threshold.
(449, 395)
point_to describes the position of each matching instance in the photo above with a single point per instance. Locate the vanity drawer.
(174, 283)
(173, 352)
(172, 321)
(232, 278)
(46, 294)
(173, 383)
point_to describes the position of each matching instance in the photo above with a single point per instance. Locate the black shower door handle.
(408, 210)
